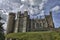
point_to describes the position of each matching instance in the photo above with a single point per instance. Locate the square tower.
(11, 23)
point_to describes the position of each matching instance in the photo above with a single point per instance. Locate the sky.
(34, 7)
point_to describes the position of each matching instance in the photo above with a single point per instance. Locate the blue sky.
(34, 7)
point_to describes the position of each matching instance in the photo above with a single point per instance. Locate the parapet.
(25, 13)
(11, 13)
(22, 15)
(19, 14)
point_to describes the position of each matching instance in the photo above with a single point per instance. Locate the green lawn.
(47, 35)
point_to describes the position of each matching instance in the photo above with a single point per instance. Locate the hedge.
(35, 36)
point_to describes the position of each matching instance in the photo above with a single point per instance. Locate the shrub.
(35, 36)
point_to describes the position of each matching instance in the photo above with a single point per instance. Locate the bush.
(35, 36)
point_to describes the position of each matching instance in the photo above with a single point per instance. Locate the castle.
(23, 23)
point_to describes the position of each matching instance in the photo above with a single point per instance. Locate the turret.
(25, 13)
(17, 24)
(49, 20)
(25, 21)
(11, 23)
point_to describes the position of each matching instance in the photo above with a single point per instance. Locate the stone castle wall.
(23, 23)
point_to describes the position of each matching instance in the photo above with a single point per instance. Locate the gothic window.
(37, 25)
(21, 22)
(40, 25)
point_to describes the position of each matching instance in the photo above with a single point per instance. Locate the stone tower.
(20, 29)
(25, 21)
(33, 24)
(17, 22)
(22, 22)
(28, 24)
(11, 23)
(49, 20)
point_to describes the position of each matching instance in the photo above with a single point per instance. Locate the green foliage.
(35, 36)
(1, 31)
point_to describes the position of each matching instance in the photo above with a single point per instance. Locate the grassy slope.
(35, 36)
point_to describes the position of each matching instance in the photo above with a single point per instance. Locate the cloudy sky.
(34, 7)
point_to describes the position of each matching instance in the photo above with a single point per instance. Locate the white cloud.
(56, 8)
(1, 1)
(21, 6)
(41, 6)
(16, 5)
(45, 1)
(35, 2)
(22, 0)
(31, 2)
(41, 13)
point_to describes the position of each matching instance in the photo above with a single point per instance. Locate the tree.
(1, 31)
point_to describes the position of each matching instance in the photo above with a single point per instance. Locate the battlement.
(25, 13)
(11, 13)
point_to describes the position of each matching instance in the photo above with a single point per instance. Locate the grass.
(47, 35)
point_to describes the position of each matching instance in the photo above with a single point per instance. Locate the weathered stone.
(11, 23)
